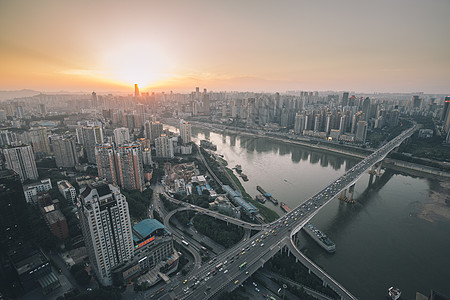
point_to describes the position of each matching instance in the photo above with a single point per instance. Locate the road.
(243, 259)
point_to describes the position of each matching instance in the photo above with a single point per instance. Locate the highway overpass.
(242, 260)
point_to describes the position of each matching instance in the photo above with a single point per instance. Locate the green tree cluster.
(138, 202)
(218, 231)
(42, 235)
(79, 273)
(288, 267)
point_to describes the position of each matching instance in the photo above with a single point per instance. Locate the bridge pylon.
(351, 192)
(343, 195)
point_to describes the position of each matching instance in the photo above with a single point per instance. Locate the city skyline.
(251, 46)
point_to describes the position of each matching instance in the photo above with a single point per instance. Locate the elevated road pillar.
(378, 172)
(370, 180)
(351, 192)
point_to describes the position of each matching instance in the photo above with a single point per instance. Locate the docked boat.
(244, 177)
(267, 195)
(238, 168)
(260, 198)
(284, 207)
(320, 237)
(394, 293)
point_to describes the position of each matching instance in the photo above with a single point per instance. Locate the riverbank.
(438, 206)
(407, 167)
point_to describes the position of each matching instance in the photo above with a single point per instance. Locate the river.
(393, 235)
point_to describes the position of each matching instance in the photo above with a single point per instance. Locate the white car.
(225, 272)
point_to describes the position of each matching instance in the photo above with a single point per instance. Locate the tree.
(79, 273)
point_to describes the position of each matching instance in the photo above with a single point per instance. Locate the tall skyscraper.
(446, 114)
(130, 168)
(21, 160)
(361, 131)
(345, 99)
(206, 103)
(121, 135)
(92, 135)
(164, 147)
(185, 131)
(14, 226)
(152, 130)
(416, 102)
(65, 152)
(38, 139)
(136, 90)
(106, 226)
(299, 124)
(366, 108)
(122, 165)
(106, 163)
(94, 100)
(446, 108)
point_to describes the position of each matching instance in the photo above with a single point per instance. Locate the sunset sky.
(261, 45)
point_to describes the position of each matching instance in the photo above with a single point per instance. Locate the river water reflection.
(380, 240)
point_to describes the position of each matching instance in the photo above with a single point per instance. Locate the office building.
(185, 132)
(121, 135)
(153, 244)
(106, 226)
(21, 160)
(164, 147)
(65, 152)
(68, 191)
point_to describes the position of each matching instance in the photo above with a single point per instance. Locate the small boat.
(260, 198)
(394, 293)
(284, 207)
(244, 177)
(238, 168)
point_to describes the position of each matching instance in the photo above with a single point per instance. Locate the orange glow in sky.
(384, 45)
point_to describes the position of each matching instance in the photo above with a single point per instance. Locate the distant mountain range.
(6, 95)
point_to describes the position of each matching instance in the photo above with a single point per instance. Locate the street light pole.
(284, 288)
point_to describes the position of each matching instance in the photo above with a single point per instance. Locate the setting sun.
(143, 64)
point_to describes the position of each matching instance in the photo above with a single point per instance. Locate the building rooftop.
(64, 184)
(146, 228)
(54, 216)
(250, 208)
(31, 262)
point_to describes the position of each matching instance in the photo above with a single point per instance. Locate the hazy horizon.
(372, 47)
